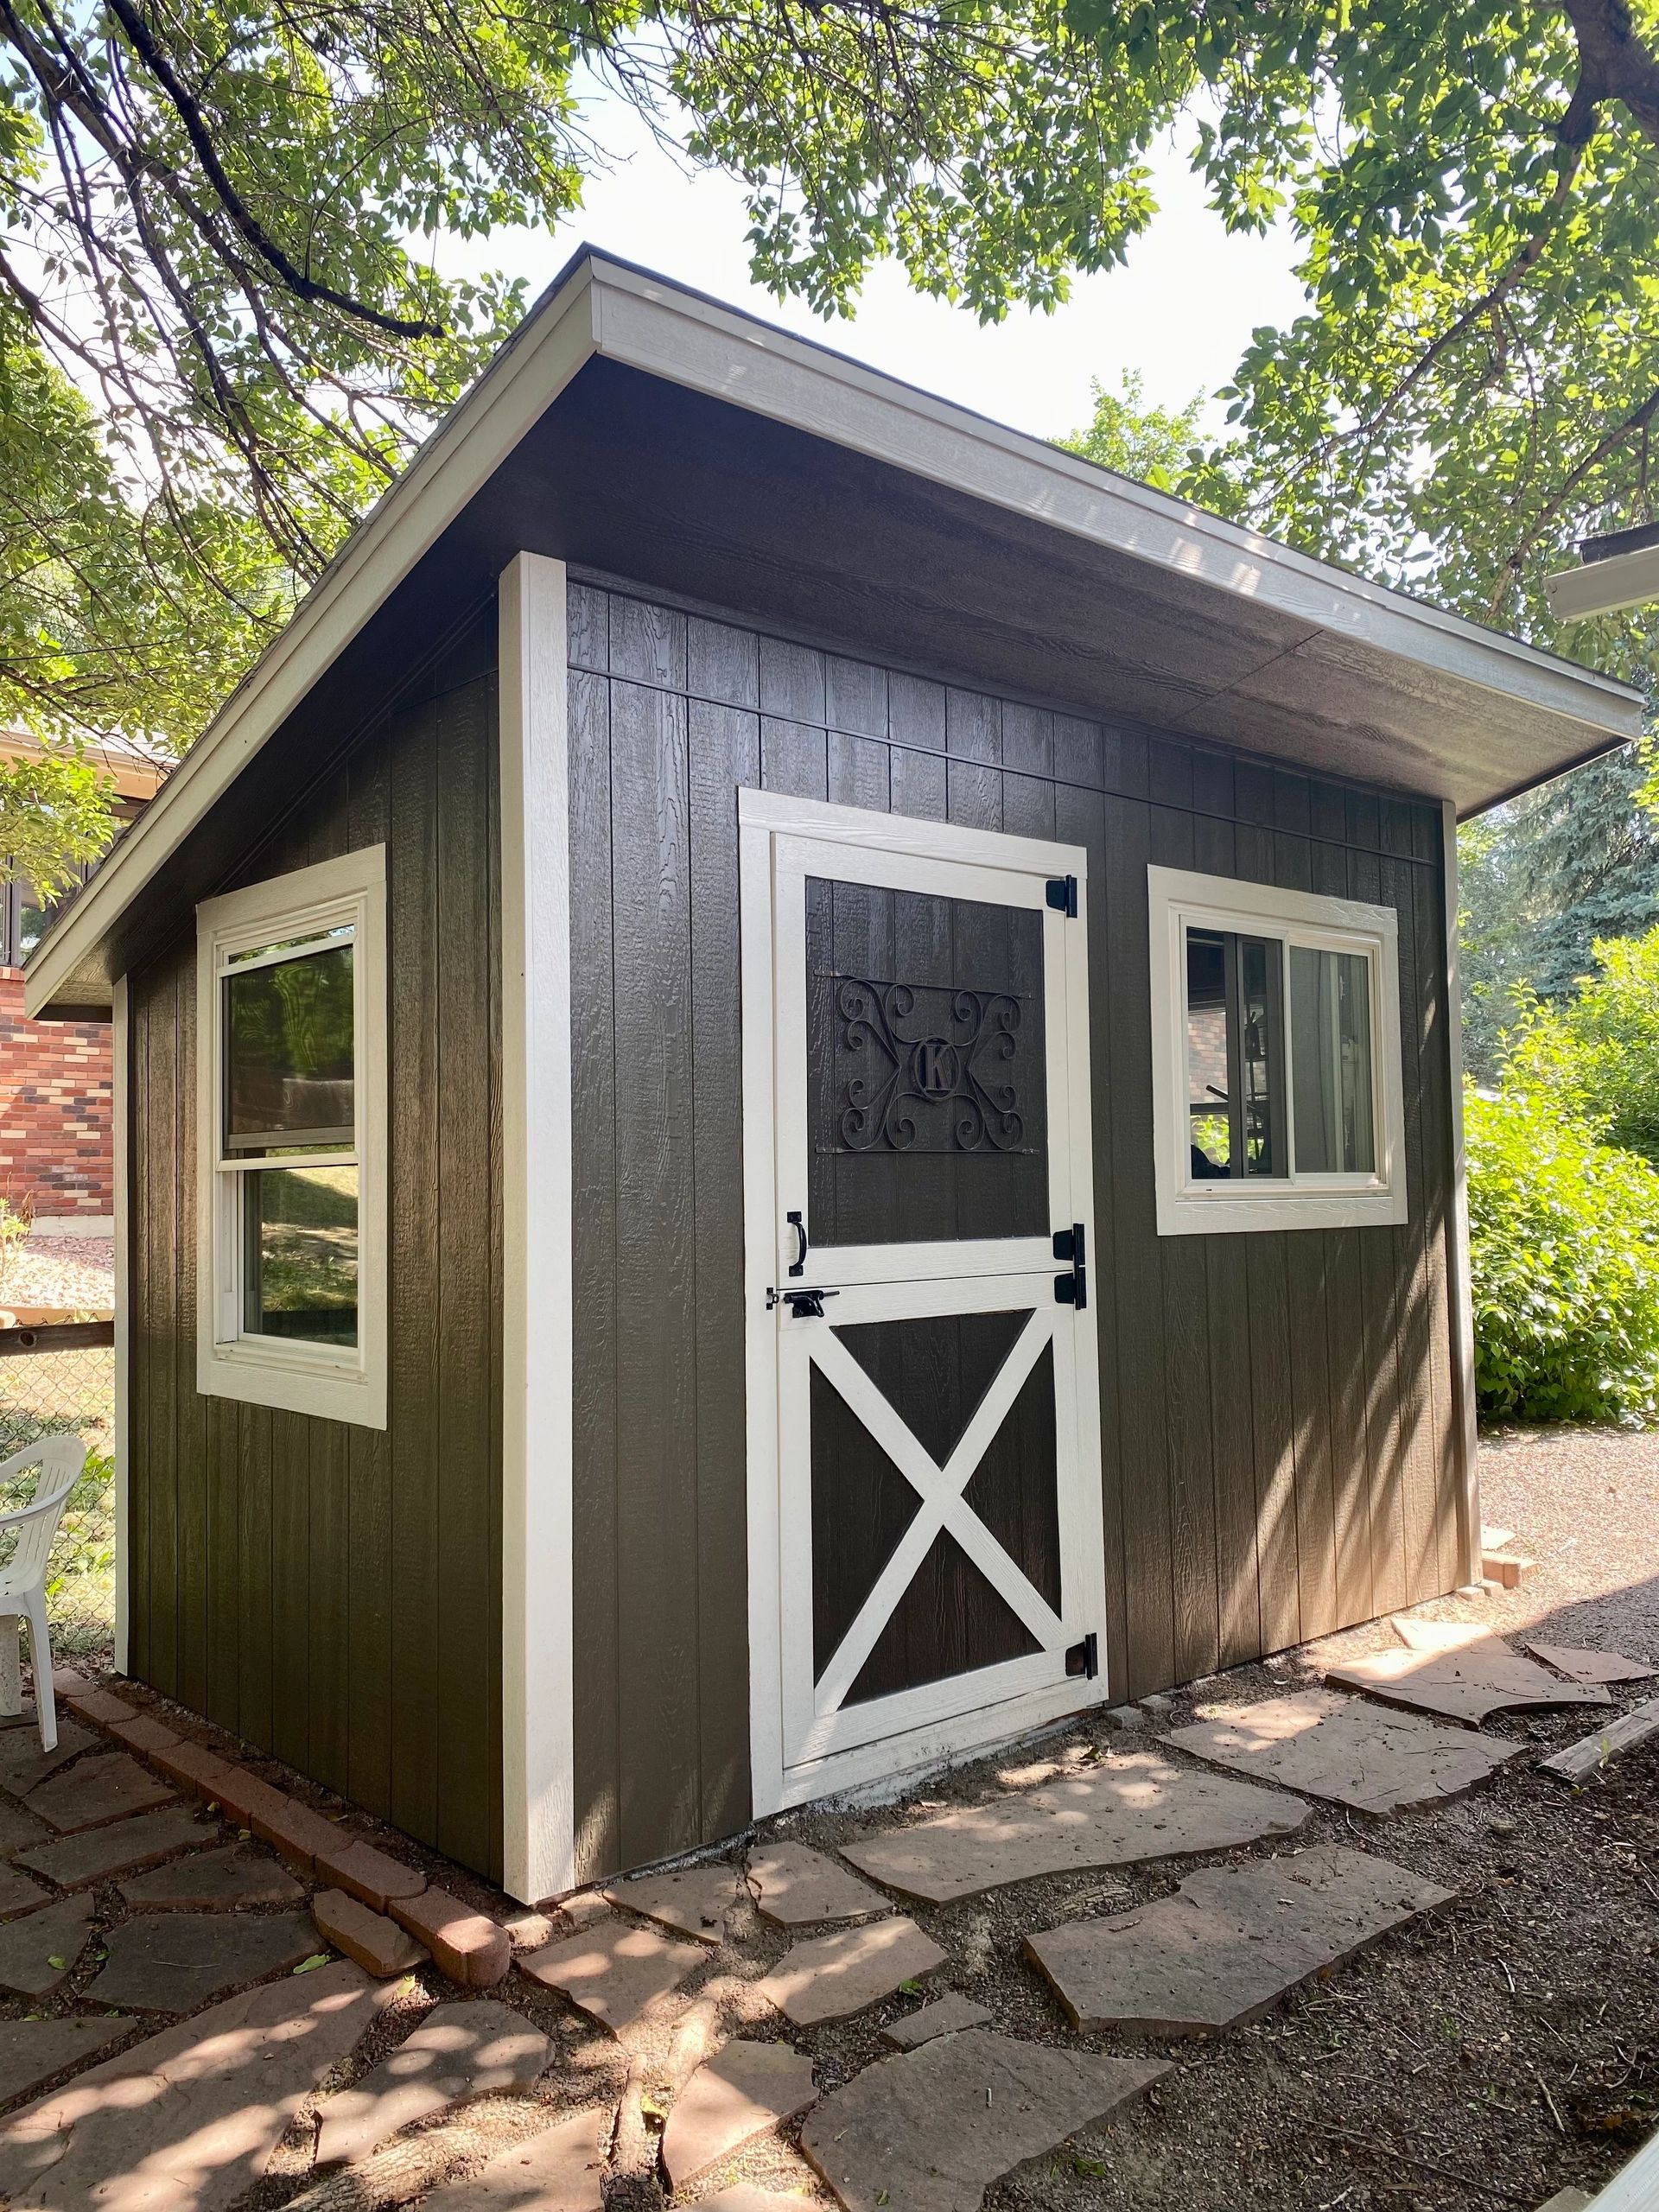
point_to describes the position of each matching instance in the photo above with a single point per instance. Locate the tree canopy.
(223, 322)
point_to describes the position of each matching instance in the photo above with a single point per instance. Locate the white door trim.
(538, 1354)
(780, 838)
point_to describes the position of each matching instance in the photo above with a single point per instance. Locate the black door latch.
(1061, 892)
(804, 1305)
(1072, 1289)
(1084, 1659)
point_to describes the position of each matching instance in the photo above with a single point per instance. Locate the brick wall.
(55, 1107)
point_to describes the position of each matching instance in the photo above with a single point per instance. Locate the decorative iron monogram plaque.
(926, 1068)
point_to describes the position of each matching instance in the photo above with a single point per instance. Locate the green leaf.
(317, 1959)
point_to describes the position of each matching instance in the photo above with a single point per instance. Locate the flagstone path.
(745, 2090)
(459, 2053)
(186, 2122)
(1137, 1805)
(1345, 1749)
(696, 1901)
(1229, 1942)
(795, 1885)
(729, 1986)
(1467, 1679)
(931, 2130)
(830, 1977)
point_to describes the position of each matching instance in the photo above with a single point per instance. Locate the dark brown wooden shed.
(788, 1095)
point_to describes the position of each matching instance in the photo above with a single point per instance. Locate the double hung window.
(291, 996)
(1276, 1083)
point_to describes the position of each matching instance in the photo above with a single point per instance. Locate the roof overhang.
(661, 437)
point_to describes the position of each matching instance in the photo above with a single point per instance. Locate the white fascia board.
(456, 461)
(1604, 587)
(691, 340)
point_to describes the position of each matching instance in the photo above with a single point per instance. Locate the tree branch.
(148, 49)
(1614, 65)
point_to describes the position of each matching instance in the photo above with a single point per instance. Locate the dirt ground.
(1488, 2055)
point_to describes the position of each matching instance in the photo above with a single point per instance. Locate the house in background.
(56, 1157)
(788, 1100)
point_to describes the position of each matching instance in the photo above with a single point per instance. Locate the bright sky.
(1181, 311)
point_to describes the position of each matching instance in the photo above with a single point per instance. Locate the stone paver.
(1581, 1666)
(32, 2051)
(743, 2196)
(377, 1943)
(469, 1946)
(29, 1947)
(96, 1853)
(696, 1901)
(795, 1884)
(477, 2047)
(236, 1874)
(173, 1962)
(1229, 1942)
(948, 2017)
(745, 2090)
(23, 1763)
(18, 1894)
(19, 1829)
(96, 1791)
(1345, 1749)
(562, 2169)
(612, 1972)
(1135, 1805)
(1465, 1680)
(828, 1977)
(187, 2120)
(930, 2130)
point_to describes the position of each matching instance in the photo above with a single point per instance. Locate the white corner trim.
(1176, 897)
(1458, 1276)
(120, 1087)
(537, 1435)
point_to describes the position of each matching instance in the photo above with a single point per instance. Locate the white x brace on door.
(926, 1564)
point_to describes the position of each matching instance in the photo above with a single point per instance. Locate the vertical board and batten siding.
(1278, 1435)
(331, 1593)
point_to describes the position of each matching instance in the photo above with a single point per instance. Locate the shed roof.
(640, 428)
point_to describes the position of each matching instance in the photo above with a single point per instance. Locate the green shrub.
(1564, 1254)
(1596, 1055)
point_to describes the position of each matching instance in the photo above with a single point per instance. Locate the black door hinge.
(1084, 1659)
(1072, 1289)
(1063, 895)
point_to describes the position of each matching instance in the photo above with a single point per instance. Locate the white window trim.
(330, 1382)
(1177, 900)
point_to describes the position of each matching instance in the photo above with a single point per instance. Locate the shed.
(788, 1102)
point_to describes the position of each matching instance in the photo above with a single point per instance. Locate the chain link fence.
(57, 1379)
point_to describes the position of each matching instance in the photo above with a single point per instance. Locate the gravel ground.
(77, 1272)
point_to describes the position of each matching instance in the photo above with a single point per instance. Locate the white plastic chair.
(22, 1579)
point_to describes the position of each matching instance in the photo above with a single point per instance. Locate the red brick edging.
(467, 1946)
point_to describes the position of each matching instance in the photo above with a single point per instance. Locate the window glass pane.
(288, 1053)
(1208, 1124)
(299, 1272)
(1331, 1037)
(32, 916)
(1260, 1054)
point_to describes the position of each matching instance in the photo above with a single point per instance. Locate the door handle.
(797, 1266)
